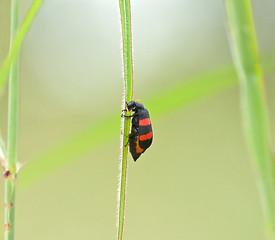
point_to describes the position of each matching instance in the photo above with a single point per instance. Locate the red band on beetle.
(145, 136)
(144, 122)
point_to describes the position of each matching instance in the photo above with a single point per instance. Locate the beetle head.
(133, 105)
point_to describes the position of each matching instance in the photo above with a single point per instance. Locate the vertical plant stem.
(246, 59)
(17, 40)
(12, 133)
(125, 11)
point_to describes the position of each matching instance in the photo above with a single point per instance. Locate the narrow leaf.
(125, 11)
(254, 110)
(91, 137)
(17, 42)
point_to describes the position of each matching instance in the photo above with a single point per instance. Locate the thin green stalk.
(17, 41)
(125, 11)
(246, 59)
(10, 175)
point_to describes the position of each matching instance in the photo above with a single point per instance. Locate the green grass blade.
(246, 59)
(94, 136)
(17, 41)
(88, 140)
(190, 91)
(98, 134)
(125, 12)
(10, 178)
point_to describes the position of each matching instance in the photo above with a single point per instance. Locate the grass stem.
(125, 11)
(246, 59)
(17, 40)
(10, 176)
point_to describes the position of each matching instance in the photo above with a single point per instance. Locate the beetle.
(141, 135)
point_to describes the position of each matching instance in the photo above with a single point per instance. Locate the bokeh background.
(195, 182)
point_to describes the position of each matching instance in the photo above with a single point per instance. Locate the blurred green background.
(195, 182)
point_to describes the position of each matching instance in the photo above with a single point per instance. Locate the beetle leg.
(125, 110)
(126, 143)
(134, 133)
(122, 115)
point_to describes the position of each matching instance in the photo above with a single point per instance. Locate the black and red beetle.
(141, 135)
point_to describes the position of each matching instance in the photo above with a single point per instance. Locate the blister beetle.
(141, 135)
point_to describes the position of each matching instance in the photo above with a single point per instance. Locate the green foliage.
(90, 138)
(125, 11)
(11, 65)
(12, 133)
(17, 41)
(246, 59)
(93, 136)
(161, 104)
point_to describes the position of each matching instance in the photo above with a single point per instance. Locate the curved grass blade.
(246, 59)
(96, 135)
(17, 41)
